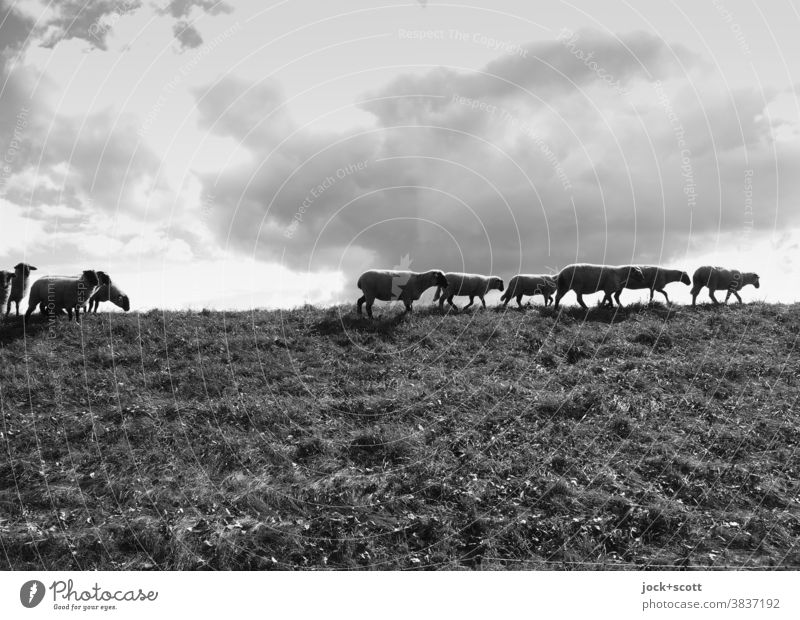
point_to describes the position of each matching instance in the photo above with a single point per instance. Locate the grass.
(650, 437)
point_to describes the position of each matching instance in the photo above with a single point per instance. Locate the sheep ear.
(31, 267)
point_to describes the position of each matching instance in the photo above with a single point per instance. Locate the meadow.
(640, 438)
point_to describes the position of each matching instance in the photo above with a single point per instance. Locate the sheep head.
(440, 279)
(24, 268)
(498, 284)
(685, 279)
(122, 301)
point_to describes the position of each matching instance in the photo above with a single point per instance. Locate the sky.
(241, 154)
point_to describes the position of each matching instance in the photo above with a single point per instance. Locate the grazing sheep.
(655, 279)
(584, 279)
(19, 287)
(6, 278)
(109, 292)
(389, 285)
(56, 293)
(719, 278)
(530, 284)
(466, 284)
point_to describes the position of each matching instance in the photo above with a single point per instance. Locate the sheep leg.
(559, 295)
(711, 294)
(360, 303)
(548, 299)
(471, 301)
(369, 307)
(519, 301)
(616, 296)
(450, 301)
(580, 301)
(737, 296)
(695, 293)
(8, 307)
(664, 293)
(409, 307)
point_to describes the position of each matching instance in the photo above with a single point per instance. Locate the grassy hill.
(645, 438)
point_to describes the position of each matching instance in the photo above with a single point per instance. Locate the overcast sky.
(249, 153)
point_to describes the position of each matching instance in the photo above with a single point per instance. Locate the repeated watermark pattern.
(172, 85)
(570, 39)
(14, 146)
(736, 29)
(462, 36)
(104, 24)
(687, 172)
(747, 222)
(524, 127)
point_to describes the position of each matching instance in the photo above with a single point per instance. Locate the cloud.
(187, 35)
(182, 8)
(94, 20)
(89, 20)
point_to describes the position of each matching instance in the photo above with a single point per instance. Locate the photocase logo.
(31, 593)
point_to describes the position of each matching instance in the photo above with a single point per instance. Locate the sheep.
(19, 287)
(389, 285)
(655, 279)
(56, 293)
(466, 284)
(530, 284)
(584, 279)
(6, 278)
(719, 278)
(112, 293)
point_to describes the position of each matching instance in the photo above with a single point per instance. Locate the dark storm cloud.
(468, 170)
(187, 35)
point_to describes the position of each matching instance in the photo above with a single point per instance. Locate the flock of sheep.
(584, 279)
(54, 295)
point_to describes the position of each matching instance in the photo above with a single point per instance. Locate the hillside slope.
(312, 439)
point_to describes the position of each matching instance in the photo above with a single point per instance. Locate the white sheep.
(466, 284)
(109, 292)
(19, 287)
(6, 279)
(56, 293)
(719, 278)
(529, 284)
(655, 279)
(585, 279)
(390, 285)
